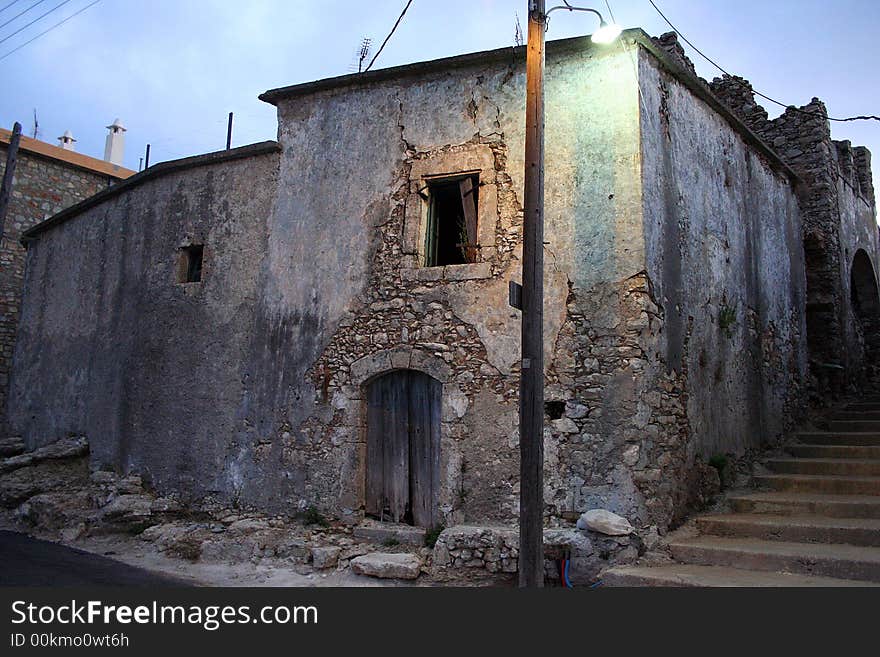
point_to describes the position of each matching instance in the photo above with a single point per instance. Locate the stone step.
(857, 414)
(862, 406)
(821, 559)
(389, 533)
(835, 451)
(691, 575)
(831, 484)
(854, 425)
(866, 438)
(802, 529)
(834, 506)
(818, 466)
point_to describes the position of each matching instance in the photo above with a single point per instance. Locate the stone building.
(324, 320)
(47, 179)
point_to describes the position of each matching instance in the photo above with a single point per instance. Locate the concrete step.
(802, 529)
(866, 438)
(389, 533)
(834, 506)
(871, 452)
(858, 414)
(690, 575)
(854, 425)
(815, 466)
(834, 485)
(822, 559)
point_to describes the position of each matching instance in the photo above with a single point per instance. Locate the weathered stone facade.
(674, 314)
(45, 182)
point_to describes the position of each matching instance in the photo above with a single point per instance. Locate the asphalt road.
(26, 561)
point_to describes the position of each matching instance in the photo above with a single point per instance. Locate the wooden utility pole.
(6, 186)
(531, 388)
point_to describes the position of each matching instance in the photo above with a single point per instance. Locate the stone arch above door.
(401, 358)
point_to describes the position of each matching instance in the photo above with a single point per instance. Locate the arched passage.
(865, 304)
(403, 447)
(863, 289)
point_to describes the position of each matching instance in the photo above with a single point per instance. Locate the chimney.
(115, 145)
(67, 141)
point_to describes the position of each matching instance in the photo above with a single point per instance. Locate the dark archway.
(863, 292)
(865, 304)
(403, 447)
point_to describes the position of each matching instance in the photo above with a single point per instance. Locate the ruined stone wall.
(41, 188)
(725, 277)
(839, 217)
(455, 323)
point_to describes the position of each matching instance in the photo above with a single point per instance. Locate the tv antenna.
(361, 54)
(518, 35)
(36, 124)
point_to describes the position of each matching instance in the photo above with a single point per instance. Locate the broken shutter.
(469, 205)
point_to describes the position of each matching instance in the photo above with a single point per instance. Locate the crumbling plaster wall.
(112, 346)
(724, 255)
(455, 322)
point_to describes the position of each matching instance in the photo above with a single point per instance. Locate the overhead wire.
(378, 52)
(4, 8)
(37, 19)
(58, 24)
(21, 13)
(864, 117)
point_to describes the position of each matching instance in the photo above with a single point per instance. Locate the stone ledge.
(449, 273)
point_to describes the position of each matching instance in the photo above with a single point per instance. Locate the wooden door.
(403, 447)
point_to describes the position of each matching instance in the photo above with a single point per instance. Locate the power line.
(399, 18)
(757, 93)
(38, 18)
(21, 13)
(8, 6)
(58, 24)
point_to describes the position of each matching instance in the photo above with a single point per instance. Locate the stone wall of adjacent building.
(839, 218)
(41, 187)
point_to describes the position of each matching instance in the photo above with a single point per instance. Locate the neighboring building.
(325, 321)
(47, 179)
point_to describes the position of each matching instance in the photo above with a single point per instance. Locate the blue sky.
(173, 69)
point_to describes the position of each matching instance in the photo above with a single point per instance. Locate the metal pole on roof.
(147, 158)
(229, 133)
(8, 173)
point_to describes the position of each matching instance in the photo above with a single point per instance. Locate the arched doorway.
(863, 288)
(865, 304)
(403, 447)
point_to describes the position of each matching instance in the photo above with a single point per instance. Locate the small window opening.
(451, 235)
(554, 409)
(191, 263)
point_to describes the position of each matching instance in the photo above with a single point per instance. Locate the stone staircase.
(813, 520)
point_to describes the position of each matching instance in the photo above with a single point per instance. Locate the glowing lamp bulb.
(606, 33)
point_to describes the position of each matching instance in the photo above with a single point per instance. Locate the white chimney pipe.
(114, 148)
(67, 141)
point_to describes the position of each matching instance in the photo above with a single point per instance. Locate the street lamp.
(531, 388)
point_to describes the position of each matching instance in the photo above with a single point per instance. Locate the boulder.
(127, 513)
(605, 522)
(12, 446)
(325, 557)
(66, 448)
(387, 566)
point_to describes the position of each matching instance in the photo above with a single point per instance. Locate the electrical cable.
(399, 18)
(867, 117)
(58, 24)
(22, 13)
(38, 18)
(9, 5)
